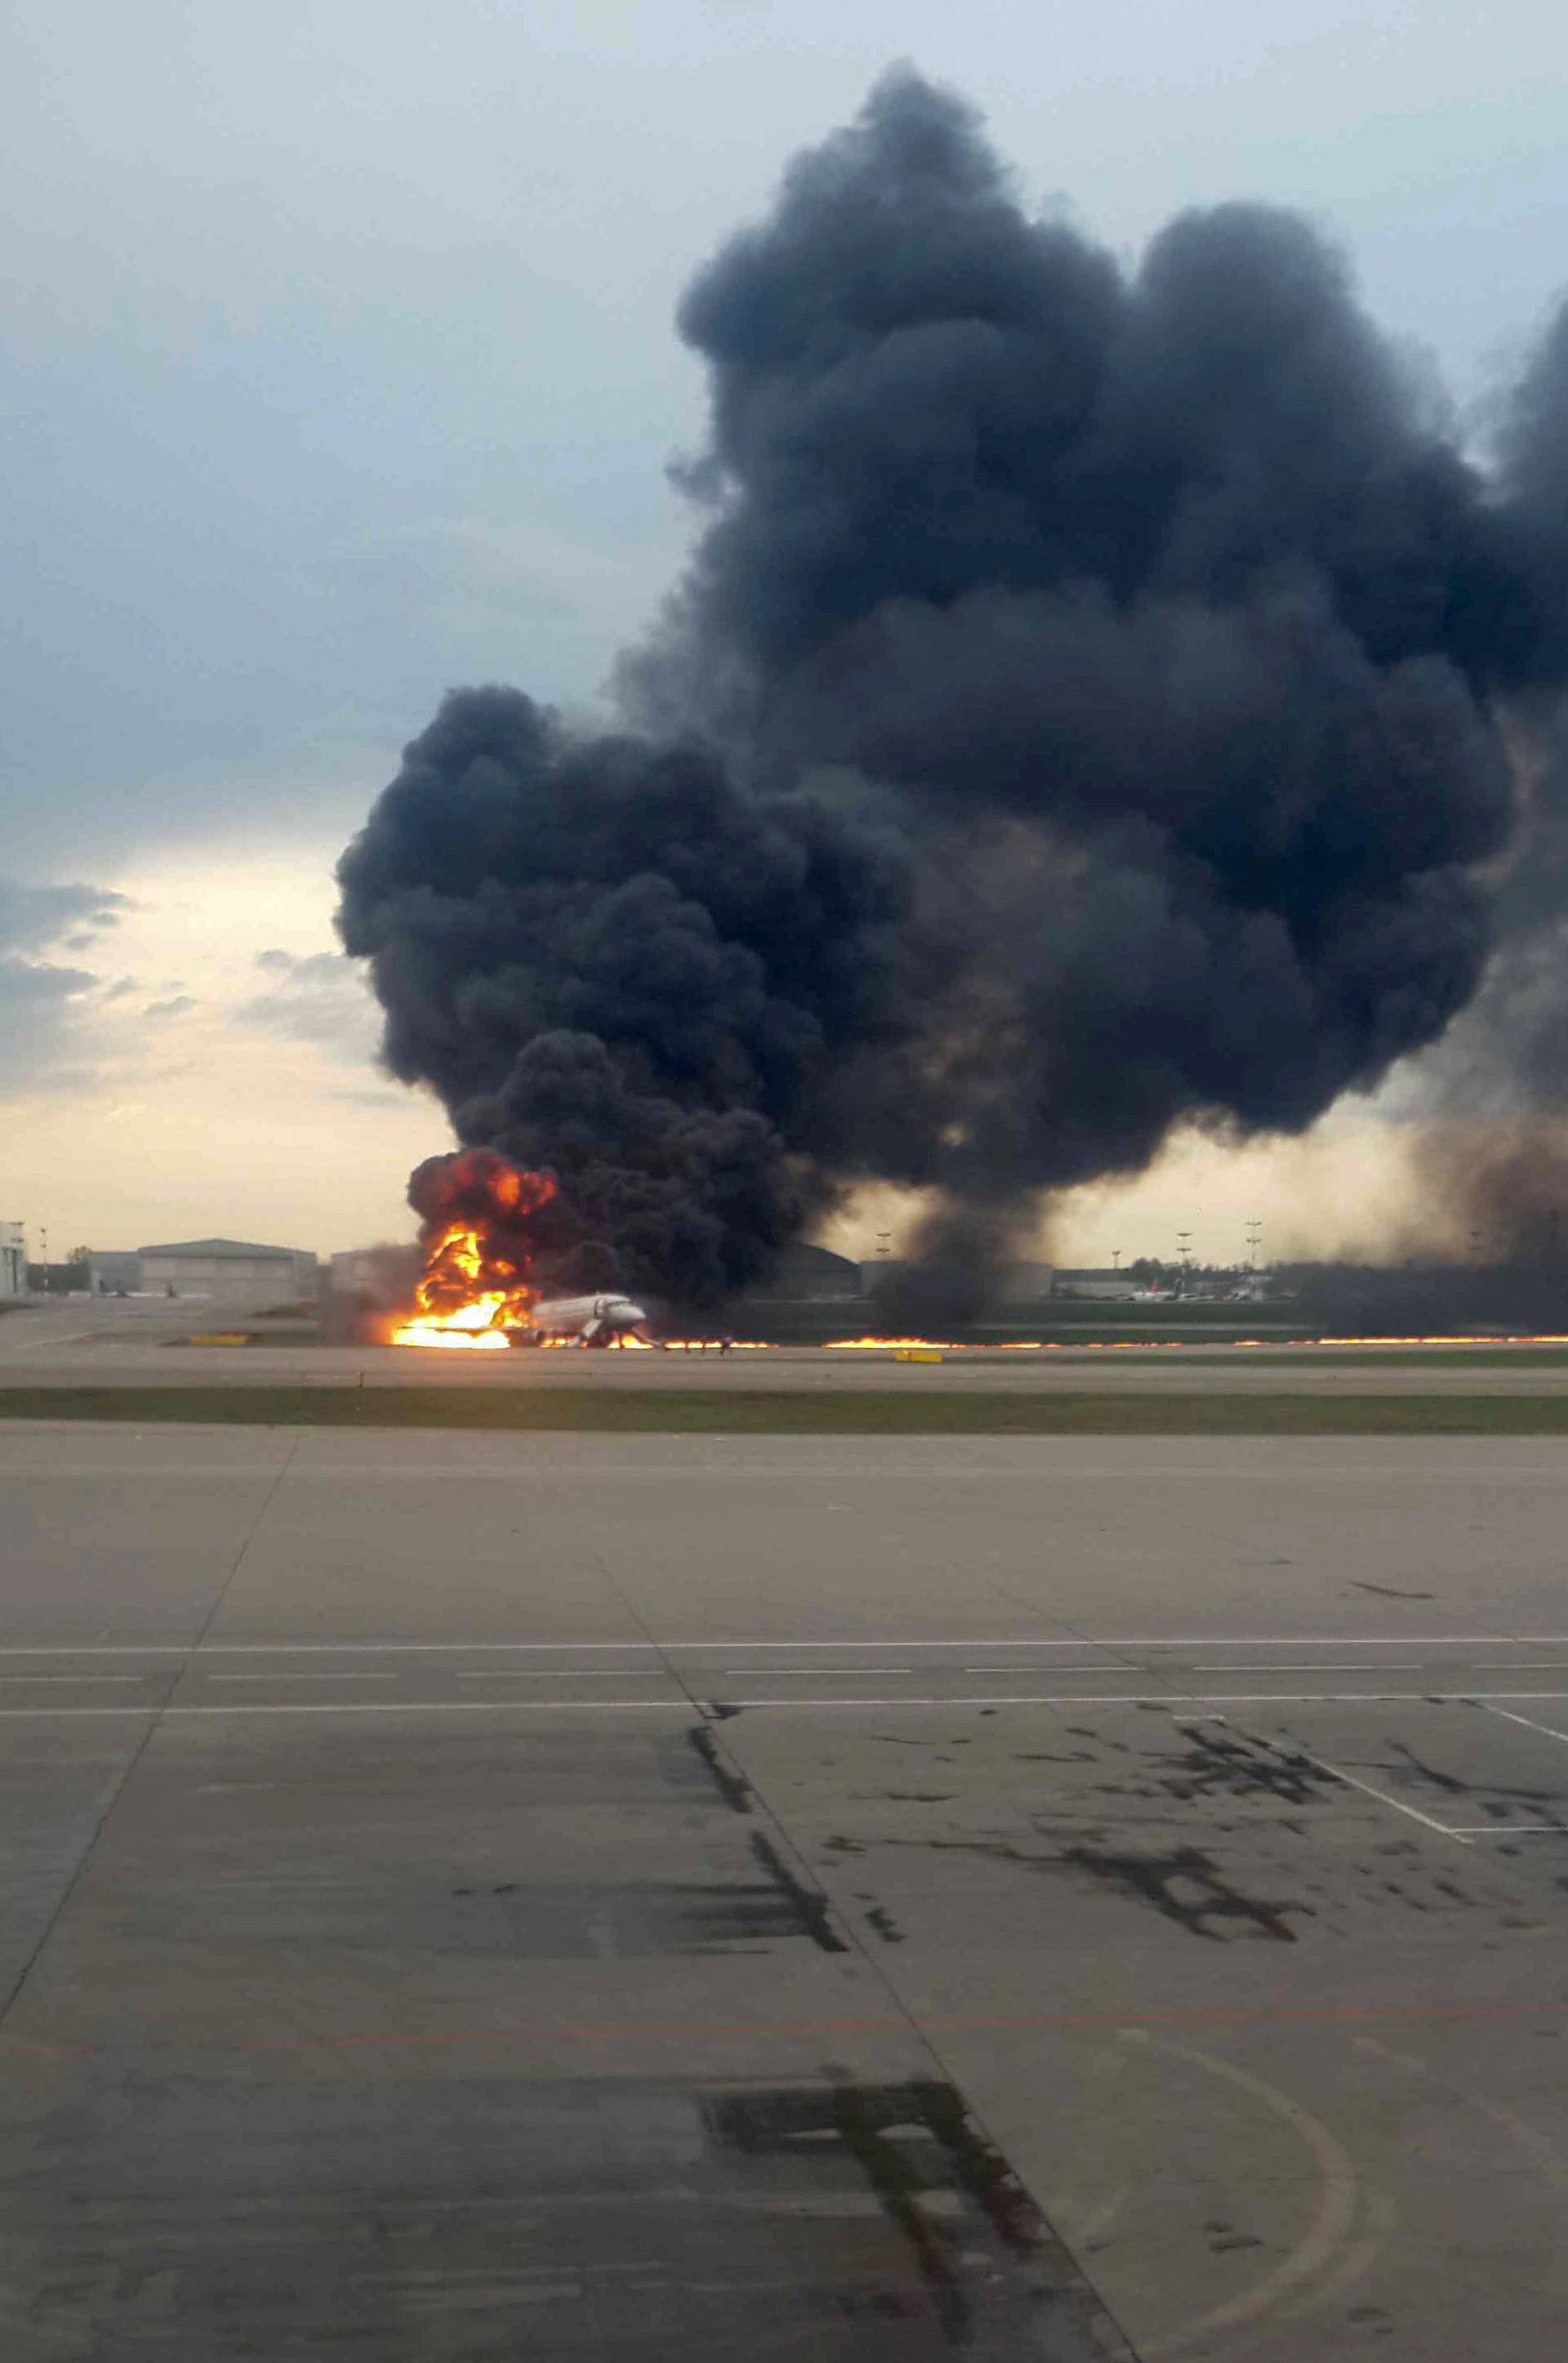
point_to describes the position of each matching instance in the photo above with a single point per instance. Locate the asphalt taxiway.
(610, 1897)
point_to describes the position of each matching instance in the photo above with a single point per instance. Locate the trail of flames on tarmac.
(477, 1292)
(471, 1328)
(1164, 1345)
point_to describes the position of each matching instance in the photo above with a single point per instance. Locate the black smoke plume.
(1095, 705)
(616, 966)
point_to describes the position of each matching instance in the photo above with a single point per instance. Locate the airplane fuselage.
(587, 1320)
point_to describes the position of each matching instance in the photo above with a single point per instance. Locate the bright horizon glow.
(214, 1121)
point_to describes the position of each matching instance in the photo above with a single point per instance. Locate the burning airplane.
(485, 1223)
(478, 1238)
(1102, 702)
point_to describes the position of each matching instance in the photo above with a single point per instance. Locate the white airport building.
(13, 1261)
(227, 1272)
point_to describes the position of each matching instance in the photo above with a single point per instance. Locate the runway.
(588, 1895)
(97, 1343)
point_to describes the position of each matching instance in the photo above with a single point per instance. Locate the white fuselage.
(592, 1320)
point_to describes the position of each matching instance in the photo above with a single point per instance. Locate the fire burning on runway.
(931, 1345)
(470, 1325)
(494, 1245)
(477, 1283)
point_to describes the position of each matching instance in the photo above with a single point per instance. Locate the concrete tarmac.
(474, 1895)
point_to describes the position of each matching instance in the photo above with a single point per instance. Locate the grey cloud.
(42, 998)
(306, 971)
(34, 917)
(175, 1009)
(27, 984)
(39, 1000)
(317, 997)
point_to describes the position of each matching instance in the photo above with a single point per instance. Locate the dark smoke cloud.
(1084, 713)
(614, 965)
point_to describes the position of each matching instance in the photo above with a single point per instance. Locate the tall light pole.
(1254, 1233)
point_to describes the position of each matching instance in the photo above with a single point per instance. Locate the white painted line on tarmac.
(1169, 1699)
(895, 1641)
(1114, 1642)
(100, 1649)
(75, 1678)
(70, 1714)
(1087, 1671)
(784, 1673)
(1172, 1698)
(288, 1677)
(509, 1674)
(361, 1706)
(1379, 1796)
(1326, 1641)
(1322, 1666)
(1183, 1698)
(1512, 1830)
(302, 1649)
(440, 1706)
(887, 1641)
(1165, 1699)
(1529, 1720)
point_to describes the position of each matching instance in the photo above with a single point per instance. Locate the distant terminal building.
(229, 1271)
(13, 1261)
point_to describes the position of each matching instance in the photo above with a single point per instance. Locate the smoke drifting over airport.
(1095, 703)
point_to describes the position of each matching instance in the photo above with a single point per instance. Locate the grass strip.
(677, 1411)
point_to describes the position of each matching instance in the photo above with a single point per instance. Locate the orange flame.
(478, 1317)
(886, 1345)
(929, 1344)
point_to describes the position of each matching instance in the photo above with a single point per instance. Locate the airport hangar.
(232, 1272)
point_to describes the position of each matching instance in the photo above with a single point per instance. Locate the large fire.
(477, 1283)
(456, 1267)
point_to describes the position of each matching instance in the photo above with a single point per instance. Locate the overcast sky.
(339, 369)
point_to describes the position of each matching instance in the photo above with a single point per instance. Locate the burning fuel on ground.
(1098, 701)
(477, 1282)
